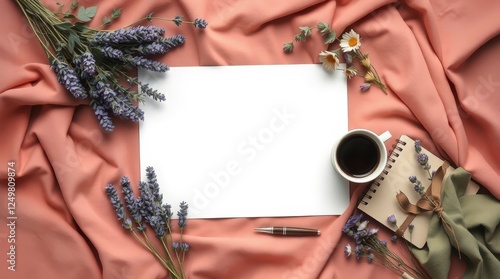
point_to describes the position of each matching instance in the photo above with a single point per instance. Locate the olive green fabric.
(475, 221)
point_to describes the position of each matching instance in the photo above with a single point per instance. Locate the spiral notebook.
(380, 201)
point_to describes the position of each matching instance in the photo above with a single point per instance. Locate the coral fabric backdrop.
(438, 59)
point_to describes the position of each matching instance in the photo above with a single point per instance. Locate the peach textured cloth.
(438, 58)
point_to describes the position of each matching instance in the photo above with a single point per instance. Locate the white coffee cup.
(360, 155)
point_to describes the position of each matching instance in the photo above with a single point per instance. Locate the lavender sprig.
(182, 214)
(83, 58)
(67, 76)
(149, 210)
(132, 35)
(375, 250)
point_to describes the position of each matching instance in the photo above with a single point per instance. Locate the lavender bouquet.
(146, 210)
(369, 246)
(94, 64)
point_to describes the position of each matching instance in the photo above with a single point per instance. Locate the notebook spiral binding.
(391, 159)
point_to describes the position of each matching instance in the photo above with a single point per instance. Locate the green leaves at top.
(323, 27)
(305, 31)
(116, 13)
(330, 37)
(86, 14)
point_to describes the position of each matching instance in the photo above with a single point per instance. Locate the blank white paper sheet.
(246, 141)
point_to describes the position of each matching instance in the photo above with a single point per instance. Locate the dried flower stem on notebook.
(146, 210)
(368, 245)
(349, 47)
(430, 195)
(94, 64)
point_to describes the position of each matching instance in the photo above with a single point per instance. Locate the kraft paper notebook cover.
(380, 199)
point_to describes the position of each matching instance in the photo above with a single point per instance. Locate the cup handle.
(385, 136)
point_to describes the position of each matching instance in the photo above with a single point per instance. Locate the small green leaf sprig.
(349, 47)
(148, 211)
(95, 64)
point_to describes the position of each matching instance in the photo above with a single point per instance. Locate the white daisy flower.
(329, 59)
(350, 41)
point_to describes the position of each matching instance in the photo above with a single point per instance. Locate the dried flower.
(392, 219)
(182, 214)
(369, 77)
(200, 23)
(350, 72)
(394, 238)
(347, 250)
(288, 47)
(350, 41)
(349, 48)
(347, 57)
(410, 227)
(418, 146)
(329, 60)
(366, 62)
(149, 209)
(365, 86)
(94, 64)
(422, 159)
(368, 245)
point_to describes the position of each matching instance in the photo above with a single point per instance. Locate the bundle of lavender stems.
(95, 65)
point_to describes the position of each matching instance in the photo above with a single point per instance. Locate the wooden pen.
(289, 231)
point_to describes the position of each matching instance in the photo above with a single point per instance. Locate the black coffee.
(358, 155)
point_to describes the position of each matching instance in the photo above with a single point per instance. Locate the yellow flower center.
(330, 59)
(353, 41)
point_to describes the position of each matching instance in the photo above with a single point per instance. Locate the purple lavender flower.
(176, 245)
(118, 103)
(161, 46)
(88, 64)
(68, 78)
(413, 179)
(383, 243)
(151, 210)
(392, 219)
(394, 238)
(177, 20)
(418, 147)
(365, 86)
(417, 185)
(360, 236)
(347, 58)
(102, 116)
(153, 93)
(200, 23)
(358, 251)
(144, 63)
(121, 106)
(132, 35)
(410, 227)
(353, 221)
(371, 257)
(130, 200)
(138, 205)
(117, 204)
(184, 247)
(422, 159)
(111, 52)
(182, 214)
